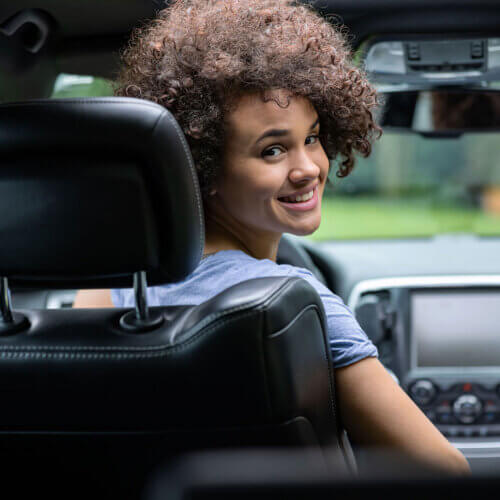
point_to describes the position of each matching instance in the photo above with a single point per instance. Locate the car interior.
(235, 398)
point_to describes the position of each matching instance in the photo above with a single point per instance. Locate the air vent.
(375, 315)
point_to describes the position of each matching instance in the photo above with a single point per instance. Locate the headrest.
(93, 190)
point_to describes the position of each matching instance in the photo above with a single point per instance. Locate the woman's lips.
(303, 206)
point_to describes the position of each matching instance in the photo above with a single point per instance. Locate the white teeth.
(300, 197)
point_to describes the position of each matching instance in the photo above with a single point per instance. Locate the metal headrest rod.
(5, 304)
(10, 322)
(140, 296)
(141, 319)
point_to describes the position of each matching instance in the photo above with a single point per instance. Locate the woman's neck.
(222, 235)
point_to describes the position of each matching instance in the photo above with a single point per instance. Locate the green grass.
(370, 217)
(98, 87)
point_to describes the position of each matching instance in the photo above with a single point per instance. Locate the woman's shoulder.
(214, 274)
(229, 259)
(244, 267)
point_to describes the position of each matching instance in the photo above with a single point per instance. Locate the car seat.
(101, 193)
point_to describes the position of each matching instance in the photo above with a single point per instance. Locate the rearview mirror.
(441, 112)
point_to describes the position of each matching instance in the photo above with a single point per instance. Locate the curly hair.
(198, 56)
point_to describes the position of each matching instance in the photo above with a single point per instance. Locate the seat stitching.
(330, 375)
(194, 176)
(202, 324)
(165, 351)
(9, 352)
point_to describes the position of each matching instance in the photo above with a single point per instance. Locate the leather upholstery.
(92, 190)
(253, 355)
(251, 367)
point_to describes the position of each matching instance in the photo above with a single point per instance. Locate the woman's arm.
(377, 413)
(93, 298)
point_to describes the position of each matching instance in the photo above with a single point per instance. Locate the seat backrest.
(102, 404)
(249, 367)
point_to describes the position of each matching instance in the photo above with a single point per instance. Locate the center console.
(440, 335)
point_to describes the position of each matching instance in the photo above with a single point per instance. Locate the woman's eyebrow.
(315, 123)
(276, 132)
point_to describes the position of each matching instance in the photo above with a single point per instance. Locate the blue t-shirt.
(226, 268)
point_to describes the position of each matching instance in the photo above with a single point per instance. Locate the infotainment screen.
(455, 328)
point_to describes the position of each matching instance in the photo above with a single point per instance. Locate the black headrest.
(93, 190)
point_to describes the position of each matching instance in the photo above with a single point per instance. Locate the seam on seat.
(331, 390)
(329, 366)
(279, 332)
(123, 352)
(202, 324)
(164, 350)
(192, 168)
(257, 302)
(198, 326)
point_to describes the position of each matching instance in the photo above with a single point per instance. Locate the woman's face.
(275, 168)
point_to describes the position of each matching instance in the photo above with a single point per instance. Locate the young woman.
(268, 99)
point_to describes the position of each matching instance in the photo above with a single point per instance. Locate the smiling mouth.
(301, 202)
(299, 198)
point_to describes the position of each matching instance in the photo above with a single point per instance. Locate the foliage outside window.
(67, 86)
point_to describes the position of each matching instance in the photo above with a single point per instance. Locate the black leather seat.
(93, 192)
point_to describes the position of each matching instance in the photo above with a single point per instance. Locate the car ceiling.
(87, 34)
(91, 18)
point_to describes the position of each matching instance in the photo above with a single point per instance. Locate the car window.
(81, 86)
(416, 186)
(410, 186)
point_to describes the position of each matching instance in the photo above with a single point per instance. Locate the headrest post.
(10, 322)
(142, 319)
(140, 295)
(5, 303)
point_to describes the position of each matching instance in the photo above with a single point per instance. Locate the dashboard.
(432, 307)
(439, 335)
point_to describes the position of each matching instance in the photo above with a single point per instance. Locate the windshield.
(412, 186)
(67, 86)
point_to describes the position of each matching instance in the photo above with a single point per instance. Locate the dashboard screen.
(455, 328)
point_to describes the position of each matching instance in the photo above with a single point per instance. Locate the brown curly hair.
(198, 56)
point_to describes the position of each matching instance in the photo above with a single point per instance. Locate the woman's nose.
(303, 169)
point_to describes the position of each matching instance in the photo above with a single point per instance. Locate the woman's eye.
(312, 139)
(274, 151)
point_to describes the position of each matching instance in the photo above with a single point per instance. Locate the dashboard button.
(494, 430)
(489, 417)
(483, 431)
(467, 408)
(491, 407)
(467, 432)
(446, 418)
(423, 391)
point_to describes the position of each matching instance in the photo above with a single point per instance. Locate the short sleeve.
(348, 342)
(117, 297)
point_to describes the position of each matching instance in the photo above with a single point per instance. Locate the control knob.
(467, 408)
(423, 391)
